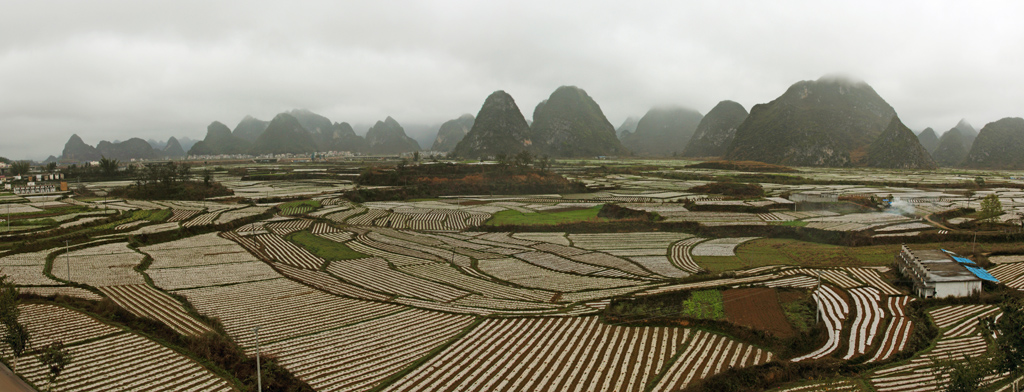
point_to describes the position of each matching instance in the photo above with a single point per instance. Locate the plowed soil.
(757, 308)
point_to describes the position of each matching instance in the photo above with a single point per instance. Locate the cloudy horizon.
(111, 70)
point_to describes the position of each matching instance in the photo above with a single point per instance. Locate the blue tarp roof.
(981, 273)
(963, 260)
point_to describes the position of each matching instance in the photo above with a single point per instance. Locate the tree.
(544, 162)
(964, 375)
(20, 168)
(416, 156)
(51, 167)
(55, 357)
(991, 207)
(980, 181)
(207, 177)
(1009, 336)
(108, 166)
(524, 158)
(15, 334)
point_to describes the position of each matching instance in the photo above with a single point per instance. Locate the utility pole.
(259, 377)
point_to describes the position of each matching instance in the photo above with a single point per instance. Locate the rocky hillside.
(628, 127)
(663, 132)
(75, 150)
(452, 132)
(387, 137)
(929, 140)
(570, 124)
(284, 135)
(219, 141)
(134, 148)
(716, 130)
(967, 133)
(499, 128)
(341, 137)
(898, 148)
(250, 129)
(173, 149)
(827, 122)
(1000, 145)
(951, 151)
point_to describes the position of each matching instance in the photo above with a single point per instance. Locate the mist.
(119, 69)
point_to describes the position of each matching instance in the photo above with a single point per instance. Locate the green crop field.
(324, 248)
(512, 217)
(299, 207)
(705, 304)
(776, 251)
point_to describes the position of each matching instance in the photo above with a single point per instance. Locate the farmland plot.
(719, 247)
(327, 283)
(61, 290)
(202, 219)
(50, 323)
(359, 356)
(211, 275)
(873, 279)
(281, 308)
(127, 362)
(205, 249)
(626, 240)
(375, 274)
(547, 354)
(1012, 275)
(342, 216)
(145, 301)
(834, 309)
(109, 359)
(681, 257)
(529, 275)
(898, 332)
(708, 354)
(869, 315)
(448, 274)
(233, 215)
(288, 253)
(103, 265)
(27, 269)
(919, 374)
(837, 277)
(283, 228)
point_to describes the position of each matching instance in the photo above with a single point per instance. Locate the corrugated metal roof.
(981, 273)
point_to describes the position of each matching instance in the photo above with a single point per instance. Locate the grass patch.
(799, 312)
(299, 207)
(513, 217)
(790, 223)
(779, 251)
(705, 304)
(324, 248)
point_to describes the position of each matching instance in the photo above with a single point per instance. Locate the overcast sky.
(118, 69)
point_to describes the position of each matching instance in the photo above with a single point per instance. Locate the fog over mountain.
(117, 70)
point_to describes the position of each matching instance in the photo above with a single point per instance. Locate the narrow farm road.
(12, 383)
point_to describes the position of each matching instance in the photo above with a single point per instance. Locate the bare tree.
(56, 358)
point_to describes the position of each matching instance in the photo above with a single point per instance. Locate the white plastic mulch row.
(833, 309)
(548, 354)
(837, 277)
(375, 274)
(281, 308)
(868, 317)
(708, 354)
(145, 301)
(873, 279)
(719, 247)
(326, 282)
(288, 253)
(127, 362)
(360, 356)
(529, 275)
(103, 265)
(681, 255)
(896, 334)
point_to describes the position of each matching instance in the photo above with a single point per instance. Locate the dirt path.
(929, 219)
(12, 383)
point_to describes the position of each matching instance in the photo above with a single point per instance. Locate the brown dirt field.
(757, 308)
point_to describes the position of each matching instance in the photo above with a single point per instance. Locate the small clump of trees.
(15, 335)
(172, 181)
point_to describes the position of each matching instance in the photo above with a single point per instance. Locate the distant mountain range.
(831, 122)
(663, 131)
